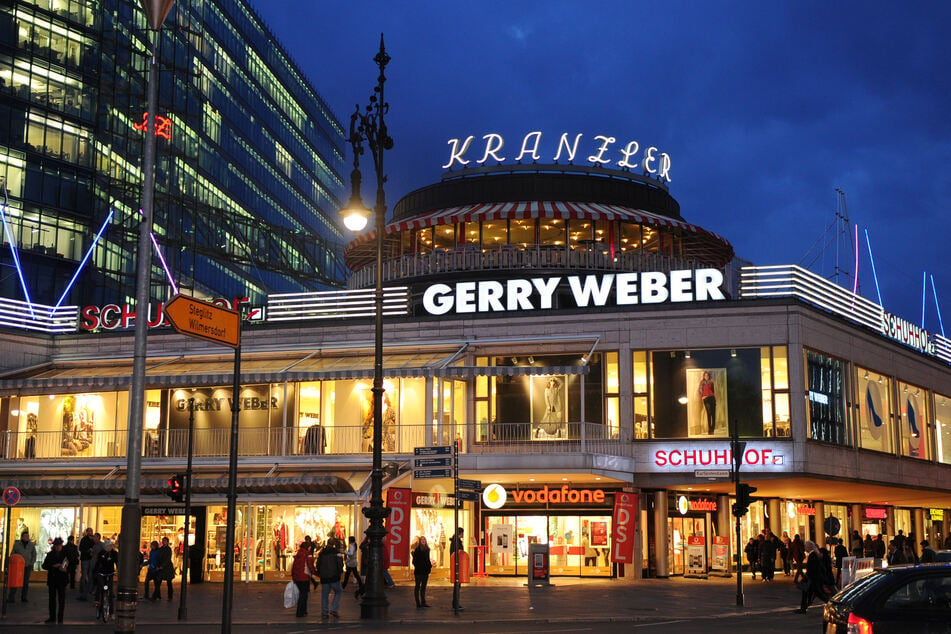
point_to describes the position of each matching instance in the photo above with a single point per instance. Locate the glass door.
(675, 545)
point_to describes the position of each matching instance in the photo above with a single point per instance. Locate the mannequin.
(279, 544)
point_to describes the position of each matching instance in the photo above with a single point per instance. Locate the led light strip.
(13, 247)
(336, 304)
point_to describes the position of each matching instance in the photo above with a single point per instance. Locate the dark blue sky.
(764, 107)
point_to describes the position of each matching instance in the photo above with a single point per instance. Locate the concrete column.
(918, 521)
(775, 521)
(820, 519)
(661, 565)
(725, 525)
(857, 519)
(890, 531)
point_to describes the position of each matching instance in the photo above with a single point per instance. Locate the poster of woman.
(549, 408)
(707, 412)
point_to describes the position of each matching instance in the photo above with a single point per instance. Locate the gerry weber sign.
(687, 456)
(651, 161)
(537, 293)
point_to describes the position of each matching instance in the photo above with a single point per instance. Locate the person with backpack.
(329, 569)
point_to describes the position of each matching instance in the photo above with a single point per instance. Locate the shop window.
(551, 232)
(915, 421)
(942, 408)
(875, 412)
(642, 415)
(444, 237)
(825, 398)
(522, 233)
(611, 391)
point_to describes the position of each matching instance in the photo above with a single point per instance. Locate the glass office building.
(248, 157)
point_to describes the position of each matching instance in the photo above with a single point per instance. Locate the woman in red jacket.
(302, 572)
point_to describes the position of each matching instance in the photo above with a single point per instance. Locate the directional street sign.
(467, 496)
(196, 318)
(424, 474)
(439, 450)
(712, 474)
(472, 485)
(427, 463)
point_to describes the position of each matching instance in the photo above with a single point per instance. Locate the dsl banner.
(625, 521)
(396, 543)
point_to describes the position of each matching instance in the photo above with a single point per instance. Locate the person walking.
(151, 572)
(422, 566)
(767, 556)
(165, 571)
(784, 553)
(857, 547)
(797, 553)
(26, 549)
(752, 555)
(928, 555)
(329, 569)
(841, 552)
(72, 559)
(302, 573)
(351, 566)
(85, 562)
(56, 565)
(812, 584)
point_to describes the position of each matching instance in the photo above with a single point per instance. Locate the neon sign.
(651, 162)
(163, 125)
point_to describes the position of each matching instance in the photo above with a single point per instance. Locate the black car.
(900, 599)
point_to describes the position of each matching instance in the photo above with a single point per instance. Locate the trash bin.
(465, 567)
(15, 567)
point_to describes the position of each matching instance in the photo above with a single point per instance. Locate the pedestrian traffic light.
(176, 487)
(743, 493)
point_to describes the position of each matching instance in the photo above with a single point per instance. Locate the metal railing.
(485, 438)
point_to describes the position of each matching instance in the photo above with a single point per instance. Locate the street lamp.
(368, 126)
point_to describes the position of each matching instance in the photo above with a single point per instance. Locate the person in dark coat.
(56, 565)
(928, 555)
(26, 549)
(815, 577)
(422, 566)
(767, 555)
(797, 552)
(752, 555)
(841, 552)
(878, 547)
(72, 559)
(165, 572)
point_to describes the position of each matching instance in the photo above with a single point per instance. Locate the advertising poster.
(599, 533)
(721, 554)
(549, 408)
(707, 412)
(625, 518)
(502, 539)
(696, 556)
(397, 537)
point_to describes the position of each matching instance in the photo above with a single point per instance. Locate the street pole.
(5, 558)
(183, 595)
(228, 593)
(456, 607)
(737, 455)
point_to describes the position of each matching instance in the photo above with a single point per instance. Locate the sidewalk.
(491, 600)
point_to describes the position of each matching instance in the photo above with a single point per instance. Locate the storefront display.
(433, 518)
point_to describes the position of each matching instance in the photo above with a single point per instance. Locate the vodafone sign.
(677, 456)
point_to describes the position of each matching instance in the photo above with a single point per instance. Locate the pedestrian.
(878, 546)
(896, 555)
(329, 569)
(351, 565)
(151, 572)
(165, 571)
(422, 566)
(841, 552)
(798, 553)
(26, 549)
(752, 555)
(857, 547)
(457, 542)
(947, 541)
(302, 573)
(56, 565)
(85, 563)
(104, 568)
(767, 556)
(784, 553)
(812, 584)
(928, 555)
(72, 559)
(387, 577)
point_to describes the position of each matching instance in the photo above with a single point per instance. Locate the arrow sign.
(427, 463)
(472, 485)
(439, 450)
(196, 318)
(424, 474)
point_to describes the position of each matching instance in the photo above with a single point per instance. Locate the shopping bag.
(291, 594)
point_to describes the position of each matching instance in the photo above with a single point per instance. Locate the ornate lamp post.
(368, 126)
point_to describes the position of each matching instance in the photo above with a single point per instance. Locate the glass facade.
(248, 155)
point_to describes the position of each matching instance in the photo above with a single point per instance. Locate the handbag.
(291, 594)
(803, 584)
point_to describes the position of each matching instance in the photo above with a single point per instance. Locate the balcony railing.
(595, 258)
(508, 438)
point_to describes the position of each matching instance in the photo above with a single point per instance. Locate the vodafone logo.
(494, 496)
(397, 495)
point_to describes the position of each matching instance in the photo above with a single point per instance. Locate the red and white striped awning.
(530, 209)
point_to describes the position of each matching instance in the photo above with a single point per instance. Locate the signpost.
(11, 497)
(197, 318)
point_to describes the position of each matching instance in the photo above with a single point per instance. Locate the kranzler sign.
(583, 291)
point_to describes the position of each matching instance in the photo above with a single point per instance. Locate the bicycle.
(104, 597)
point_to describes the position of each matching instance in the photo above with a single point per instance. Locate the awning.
(83, 487)
(532, 209)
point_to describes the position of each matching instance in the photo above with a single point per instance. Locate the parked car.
(898, 599)
(943, 555)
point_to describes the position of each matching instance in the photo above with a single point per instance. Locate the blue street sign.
(467, 496)
(424, 474)
(472, 485)
(425, 463)
(440, 450)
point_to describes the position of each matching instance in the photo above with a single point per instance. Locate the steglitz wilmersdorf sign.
(537, 293)
(651, 161)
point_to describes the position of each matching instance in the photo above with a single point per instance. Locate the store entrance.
(679, 529)
(579, 544)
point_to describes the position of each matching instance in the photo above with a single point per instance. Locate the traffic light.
(743, 494)
(176, 487)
